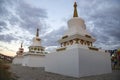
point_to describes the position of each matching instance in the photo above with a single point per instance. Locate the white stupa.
(76, 56)
(19, 57)
(36, 47)
(76, 34)
(36, 55)
(20, 51)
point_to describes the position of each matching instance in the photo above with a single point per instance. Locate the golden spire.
(37, 33)
(75, 10)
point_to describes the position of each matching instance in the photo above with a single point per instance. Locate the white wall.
(93, 62)
(63, 62)
(34, 61)
(17, 60)
(25, 60)
(78, 62)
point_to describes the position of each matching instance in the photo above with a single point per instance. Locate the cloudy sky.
(20, 18)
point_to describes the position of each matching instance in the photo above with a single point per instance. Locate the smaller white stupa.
(35, 57)
(19, 57)
(20, 51)
(36, 47)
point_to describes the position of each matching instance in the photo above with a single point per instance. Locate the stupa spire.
(75, 14)
(21, 44)
(37, 33)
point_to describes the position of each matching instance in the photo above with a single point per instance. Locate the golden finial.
(37, 34)
(75, 10)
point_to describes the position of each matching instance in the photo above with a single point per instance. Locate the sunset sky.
(20, 18)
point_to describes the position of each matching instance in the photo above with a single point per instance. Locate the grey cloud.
(3, 10)
(17, 12)
(53, 37)
(32, 17)
(24, 10)
(105, 16)
(2, 23)
(7, 38)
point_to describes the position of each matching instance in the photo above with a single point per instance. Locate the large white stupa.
(76, 35)
(76, 56)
